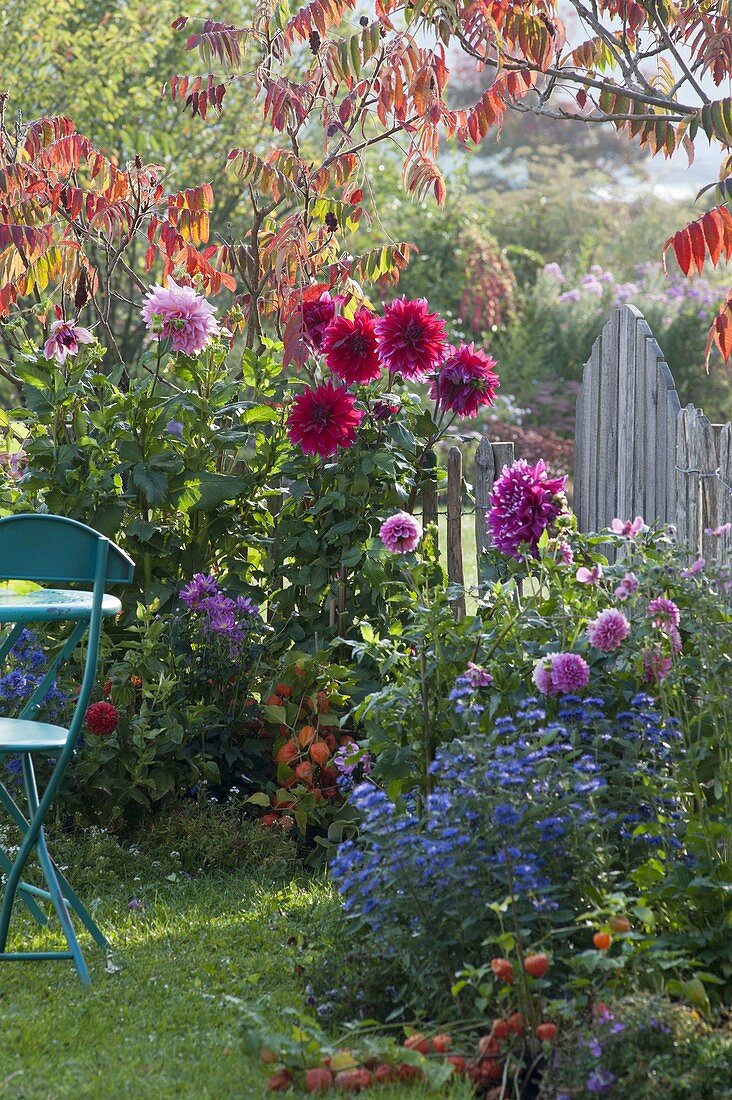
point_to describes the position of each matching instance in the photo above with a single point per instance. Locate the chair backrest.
(54, 549)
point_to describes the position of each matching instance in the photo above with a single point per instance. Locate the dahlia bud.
(382, 410)
(364, 21)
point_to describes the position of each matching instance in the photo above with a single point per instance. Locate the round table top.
(52, 605)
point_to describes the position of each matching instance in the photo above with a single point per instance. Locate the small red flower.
(324, 419)
(350, 348)
(102, 718)
(412, 340)
(465, 381)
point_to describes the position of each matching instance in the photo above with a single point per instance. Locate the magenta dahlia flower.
(664, 613)
(400, 533)
(179, 314)
(350, 349)
(412, 341)
(316, 316)
(561, 673)
(64, 339)
(324, 419)
(656, 666)
(608, 630)
(524, 502)
(465, 381)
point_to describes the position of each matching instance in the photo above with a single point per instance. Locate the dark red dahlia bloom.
(465, 381)
(102, 718)
(524, 502)
(324, 419)
(412, 341)
(316, 316)
(350, 350)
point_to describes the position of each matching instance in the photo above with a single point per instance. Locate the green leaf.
(153, 483)
(204, 491)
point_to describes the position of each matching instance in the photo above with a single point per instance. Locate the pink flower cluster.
(561, 674)
(476, 676)
(609, 630)
(401, 533)
(408, 341)
(525, 501)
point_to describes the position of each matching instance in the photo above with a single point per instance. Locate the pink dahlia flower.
(349, 347)
(465, 381)
(656, 666)
(179, 314)
(324, 419)
(400, 533)
(524, 502)
(717, 532)
(561, 673)
(570, 673)
(412, 340)
(694, 568)
(316, 316)
(608, 630)
(664, 613)
(476, 676)
(64, 339)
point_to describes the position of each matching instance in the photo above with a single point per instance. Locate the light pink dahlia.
(401, 533)
(64, 339)
(543, 674)
(177, 313)
(664, 613)
(524, 502)
(412, 340)
(323, 419)
(349, 347)
(608, 630)
(465, 381)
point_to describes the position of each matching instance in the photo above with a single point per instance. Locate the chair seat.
(52, 605)
(21, 735)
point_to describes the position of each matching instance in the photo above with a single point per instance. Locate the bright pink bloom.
(717, 532)
(179, 314)
(570, 673)
(589, 576)
(524, 502)
(561, 673)
(564, 551)
(476, 676)
(64, 339)
(694, 568)
(656, 667)
(664, 613)
(608, 630)
(349, 347)
(400, 533)
(627, 587)
(324, 419)
(465, 381)
(412, 340)
(316, 316)
(675, 639)
(627, 528)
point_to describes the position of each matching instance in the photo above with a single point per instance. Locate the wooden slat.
(628, 440)
(485, 475)
(454, 526)
(607, 455)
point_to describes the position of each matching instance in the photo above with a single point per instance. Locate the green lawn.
(169, 1022)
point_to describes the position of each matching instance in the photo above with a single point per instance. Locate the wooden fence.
(637, 452)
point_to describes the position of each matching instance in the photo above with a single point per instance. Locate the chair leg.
(68, 892)
(30, 903)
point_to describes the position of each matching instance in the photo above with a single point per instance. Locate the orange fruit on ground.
(318, 1079)
(268, 819)
(516, 1023)
(281, 1081)
(273, 701)
(417, 1042)
(441, 1043)
(458, 1064)
(602, 940)
(487, 1046)
(547, 1032)
(501, 1030)
(284, 690)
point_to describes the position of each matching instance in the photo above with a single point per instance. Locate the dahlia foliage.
(360, 349)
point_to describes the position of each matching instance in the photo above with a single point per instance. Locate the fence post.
(429, 493)
(455, 573)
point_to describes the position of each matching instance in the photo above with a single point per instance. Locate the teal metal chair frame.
(51, 549)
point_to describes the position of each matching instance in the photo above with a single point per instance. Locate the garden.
(346, 825)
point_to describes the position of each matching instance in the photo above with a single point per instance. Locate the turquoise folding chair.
(51, 550)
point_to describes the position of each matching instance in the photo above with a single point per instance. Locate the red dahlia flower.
(316, 316)
(324, 419)
(350, 348)
(102, 718)
(465, 381)
(412, 340)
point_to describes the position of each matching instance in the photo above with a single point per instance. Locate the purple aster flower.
(174, 427)
(600, 1081)
(200, 588)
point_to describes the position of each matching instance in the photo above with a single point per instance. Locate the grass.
(169, 1019)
